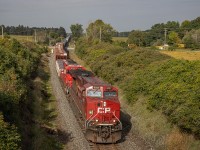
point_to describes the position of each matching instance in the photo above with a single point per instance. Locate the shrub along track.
(70, 123)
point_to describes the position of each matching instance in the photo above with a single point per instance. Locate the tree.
(195, 24)
(156, 32)
(137, 37)
(159, 42)
(100, 30)
(192, 39)
(53, 35)
(173, 38)
(61, 32)
(173, 25)
(9, 138)
(77, 31)
(185, 24)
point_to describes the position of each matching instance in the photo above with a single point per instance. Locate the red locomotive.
(96, 100)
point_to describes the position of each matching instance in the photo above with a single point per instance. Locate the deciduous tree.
(173, 38)
(100, 30)
(137, 37)
(77, 31)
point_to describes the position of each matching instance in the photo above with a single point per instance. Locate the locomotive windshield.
(94, 93)
(110, 93)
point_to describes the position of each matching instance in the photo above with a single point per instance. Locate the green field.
(187, 55)
(23, 38)
(120, 39)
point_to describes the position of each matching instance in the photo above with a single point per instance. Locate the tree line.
(42, 34)
(171, 33)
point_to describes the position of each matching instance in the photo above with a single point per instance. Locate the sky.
(122, 15)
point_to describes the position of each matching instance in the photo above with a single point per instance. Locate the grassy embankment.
(153, 84)
(18, 64)
(44, 110)
(25, 98)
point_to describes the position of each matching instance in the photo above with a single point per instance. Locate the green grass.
(22, 38)
(187, 55)
(120, 39)
(44, 107)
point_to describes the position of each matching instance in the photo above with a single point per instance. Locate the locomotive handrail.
(117, 119)
(90, 119)
(86, 123)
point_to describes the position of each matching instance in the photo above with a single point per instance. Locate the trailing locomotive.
(96, 100)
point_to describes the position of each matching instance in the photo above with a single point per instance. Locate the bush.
(9, 138)
(18, 63)
(174, 88)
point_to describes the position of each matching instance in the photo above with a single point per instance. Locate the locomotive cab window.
(94, 93)
(110, 94)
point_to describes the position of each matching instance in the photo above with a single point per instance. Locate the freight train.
(96, 100)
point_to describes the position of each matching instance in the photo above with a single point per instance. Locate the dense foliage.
(9, 138)
(77, 31)
(191, 39)
(168, 85)
(174, 88)
(100, 31)
(41, 35)
(18, 62)
(114, 63)
(172, 33)
(25, 30)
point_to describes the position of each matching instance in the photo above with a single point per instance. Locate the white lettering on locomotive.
(103, 110)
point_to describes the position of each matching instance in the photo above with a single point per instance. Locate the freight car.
(60, 52)
(96, 100)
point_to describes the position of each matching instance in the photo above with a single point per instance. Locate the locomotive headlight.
(104, 104)
(91, 112)
(96, 120)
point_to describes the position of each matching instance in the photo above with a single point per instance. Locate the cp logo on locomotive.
(103, 110)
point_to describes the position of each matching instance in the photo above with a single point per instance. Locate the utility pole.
(165, 35)
(2, 31)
